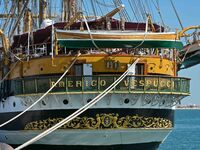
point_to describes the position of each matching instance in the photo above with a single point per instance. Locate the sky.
(188, 11)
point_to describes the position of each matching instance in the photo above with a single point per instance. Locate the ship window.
(42, 85)
(18, 87)
(29, 86)
(83, 69)
(139, 69)
(78, 70)
(87, 69)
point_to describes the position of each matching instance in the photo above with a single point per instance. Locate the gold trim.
(182, 33)
(97, 61)
(114, 92)
(62, 35)
(104, 121)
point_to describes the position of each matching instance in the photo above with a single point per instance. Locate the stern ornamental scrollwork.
(103, 121)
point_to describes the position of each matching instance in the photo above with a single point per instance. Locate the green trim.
(112, 92)
(191, 61)
(87, 43)
(96, 84)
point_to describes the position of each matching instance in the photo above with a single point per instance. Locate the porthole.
(6, 137)
(14, 104)
(89, 100)
(44, 103)
(163, 102)
(65, 101)
(126, 101)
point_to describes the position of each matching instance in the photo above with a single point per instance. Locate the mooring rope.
(82, 109)
(17, 116)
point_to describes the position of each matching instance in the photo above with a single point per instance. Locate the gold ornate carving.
(103, 121)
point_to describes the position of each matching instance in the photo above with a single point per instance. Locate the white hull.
(88, 137)
(76, 101)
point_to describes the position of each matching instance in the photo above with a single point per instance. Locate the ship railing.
(35, 50)
(95, 84)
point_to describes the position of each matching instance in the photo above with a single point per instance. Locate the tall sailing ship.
(62, 63)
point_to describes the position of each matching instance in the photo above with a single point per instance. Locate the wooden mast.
(65, 12)
(68, 10)
(42, 11)
(19, 8)
(28, 22)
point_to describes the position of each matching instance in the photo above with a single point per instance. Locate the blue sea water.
(186, 134)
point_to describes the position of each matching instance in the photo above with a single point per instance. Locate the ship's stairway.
(190, 55)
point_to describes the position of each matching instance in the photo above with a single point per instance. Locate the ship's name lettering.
(124, 83)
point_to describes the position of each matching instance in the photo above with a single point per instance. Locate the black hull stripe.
(142, 146)
(21, 122)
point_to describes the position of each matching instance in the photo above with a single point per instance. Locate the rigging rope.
(82, 109)
(11, 12)
(104, 4)
(121, 14)
(149, 8)
(107, 7)
(86, 5)
(139, 9)
(91, 37)
(93, 8)
(136, 10)
(124, 12)
(19, 18)
(143, 6)
(179, 20)
(100, 10)
(142, 9)
(133, 10)
(139, 13)
(159, 12)
(17, 116)
(145, 34)
(188, 49)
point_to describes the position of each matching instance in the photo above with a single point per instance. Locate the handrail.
(53, 76)
(182, 33)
